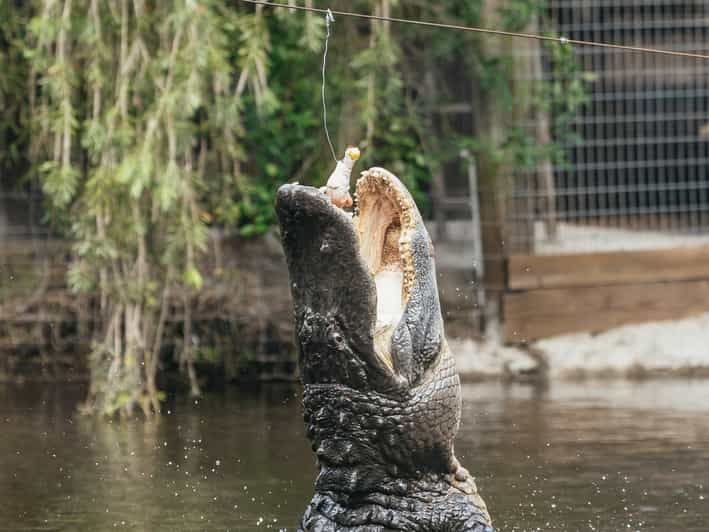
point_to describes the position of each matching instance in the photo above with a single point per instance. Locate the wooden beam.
(451, 202)
(23, 248)
(543, 313)
(528, 272)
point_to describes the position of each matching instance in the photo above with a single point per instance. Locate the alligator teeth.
(380, 182)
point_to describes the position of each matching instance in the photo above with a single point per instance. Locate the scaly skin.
(382, 427)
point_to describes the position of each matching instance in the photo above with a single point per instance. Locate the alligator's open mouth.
(385, 223)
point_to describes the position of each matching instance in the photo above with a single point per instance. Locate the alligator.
(381, 394)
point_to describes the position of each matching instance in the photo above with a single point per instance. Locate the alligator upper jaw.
(327, 273)
(357, 270)
(334, 296)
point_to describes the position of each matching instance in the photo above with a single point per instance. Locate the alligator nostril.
(284, 192)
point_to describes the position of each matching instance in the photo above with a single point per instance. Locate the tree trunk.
(545, 172)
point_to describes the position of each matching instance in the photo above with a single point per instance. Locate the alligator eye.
(336, 339)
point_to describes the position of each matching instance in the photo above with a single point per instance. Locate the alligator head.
(381, 392)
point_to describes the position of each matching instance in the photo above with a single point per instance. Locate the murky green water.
(596, 456)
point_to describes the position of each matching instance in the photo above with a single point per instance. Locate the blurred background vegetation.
(148, 123)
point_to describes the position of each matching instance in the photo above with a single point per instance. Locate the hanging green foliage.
(149, 123)
(137, 133)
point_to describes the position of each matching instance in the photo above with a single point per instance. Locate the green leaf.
(193, 278)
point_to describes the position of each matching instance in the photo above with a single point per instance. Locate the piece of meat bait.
(338, 184)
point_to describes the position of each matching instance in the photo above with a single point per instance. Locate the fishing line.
(328, 19)
(561, 40)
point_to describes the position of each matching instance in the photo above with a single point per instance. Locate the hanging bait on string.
(338, 184)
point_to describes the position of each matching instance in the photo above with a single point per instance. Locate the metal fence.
(638, 179)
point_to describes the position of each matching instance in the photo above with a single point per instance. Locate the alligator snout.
(292, 199)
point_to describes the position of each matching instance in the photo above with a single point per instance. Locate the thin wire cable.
(328, 19)
(562, 40)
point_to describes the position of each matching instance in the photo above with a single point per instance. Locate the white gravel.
(669, 347)
(490, 358)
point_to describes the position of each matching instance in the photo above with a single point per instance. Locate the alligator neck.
(367, 441)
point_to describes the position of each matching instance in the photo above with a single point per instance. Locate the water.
(604, 456)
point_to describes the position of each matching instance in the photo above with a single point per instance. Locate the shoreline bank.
(653, 349)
